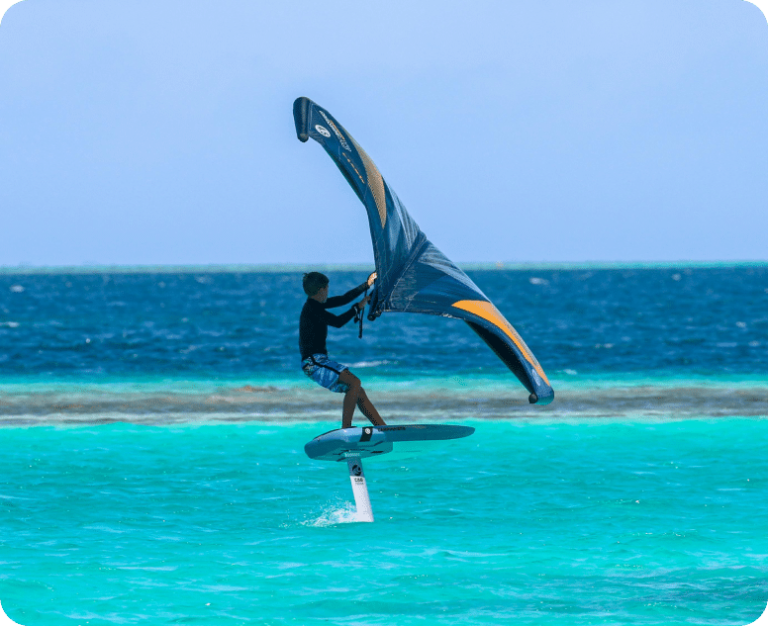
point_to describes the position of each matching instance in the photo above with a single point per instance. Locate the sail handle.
(361, 315)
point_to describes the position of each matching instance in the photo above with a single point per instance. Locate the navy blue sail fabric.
(413, 275)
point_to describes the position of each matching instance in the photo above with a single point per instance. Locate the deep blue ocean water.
(153, 467)
(219, 326)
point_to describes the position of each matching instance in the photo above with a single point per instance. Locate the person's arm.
(337, 321)
(332, 303)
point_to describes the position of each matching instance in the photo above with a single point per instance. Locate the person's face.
(323, 294)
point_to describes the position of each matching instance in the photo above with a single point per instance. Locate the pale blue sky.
(136, 132)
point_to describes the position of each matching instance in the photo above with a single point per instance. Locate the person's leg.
(366, 406)
(355, 395)
(350, 397)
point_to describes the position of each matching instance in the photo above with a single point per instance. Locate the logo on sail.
(323, 131)
(342, 139)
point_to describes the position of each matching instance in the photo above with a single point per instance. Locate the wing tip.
(301, 117)
(544, 399)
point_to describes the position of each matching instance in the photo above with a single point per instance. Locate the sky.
(144, 132)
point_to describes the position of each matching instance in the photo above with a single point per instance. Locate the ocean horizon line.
(267, 268)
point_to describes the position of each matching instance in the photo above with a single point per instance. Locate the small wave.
(370, 363)
(104, 528)
(538, 281)
(10, 324)
(17, 288)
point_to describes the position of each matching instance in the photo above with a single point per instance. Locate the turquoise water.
(152, 469)
(531, 521)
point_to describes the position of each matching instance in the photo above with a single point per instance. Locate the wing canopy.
(413, 275)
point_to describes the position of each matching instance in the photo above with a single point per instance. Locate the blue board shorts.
(325, 372)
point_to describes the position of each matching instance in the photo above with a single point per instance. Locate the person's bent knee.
(351, 378)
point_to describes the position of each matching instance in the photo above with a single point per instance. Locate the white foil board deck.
(368, 441)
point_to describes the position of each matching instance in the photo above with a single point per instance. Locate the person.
(313, 331)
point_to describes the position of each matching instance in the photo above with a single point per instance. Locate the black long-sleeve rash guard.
(315, 320)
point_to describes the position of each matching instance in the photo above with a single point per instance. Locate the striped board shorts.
(325, 372)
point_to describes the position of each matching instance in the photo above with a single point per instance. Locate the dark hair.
(314, 282)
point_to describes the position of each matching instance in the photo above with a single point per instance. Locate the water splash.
(335, 515)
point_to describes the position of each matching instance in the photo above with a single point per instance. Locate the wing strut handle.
(359, 318)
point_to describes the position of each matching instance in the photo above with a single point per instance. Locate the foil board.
(370, 441)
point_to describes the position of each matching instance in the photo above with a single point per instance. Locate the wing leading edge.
(413, 275)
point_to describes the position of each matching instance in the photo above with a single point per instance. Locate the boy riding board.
(313, 331)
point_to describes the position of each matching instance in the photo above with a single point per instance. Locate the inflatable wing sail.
(413, 275)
